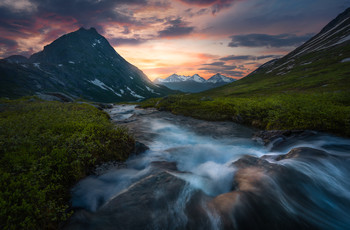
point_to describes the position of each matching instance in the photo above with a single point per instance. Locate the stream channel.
(213, 175)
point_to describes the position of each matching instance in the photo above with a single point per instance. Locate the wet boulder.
(140, 148)
(277, 139)
(269, 195)
(160, 200)
(303, 152)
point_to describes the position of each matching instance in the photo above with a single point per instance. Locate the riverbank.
(45, 148)
(326, 112)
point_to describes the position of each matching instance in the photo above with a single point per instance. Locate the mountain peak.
(80, 45)
(91, 30)
(81, 63)
(218, 78)
(196, 78)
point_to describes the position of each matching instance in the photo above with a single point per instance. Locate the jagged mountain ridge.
(196, 78)
(80, 64)
(193, 84)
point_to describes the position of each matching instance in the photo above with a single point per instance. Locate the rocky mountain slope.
(193, 83)
(79, 64)
(321, 64)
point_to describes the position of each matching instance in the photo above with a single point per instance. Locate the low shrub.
(45, 148)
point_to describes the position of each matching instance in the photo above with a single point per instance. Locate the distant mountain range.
(81, 64)
(193, 83)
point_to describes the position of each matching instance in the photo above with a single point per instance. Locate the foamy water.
(205, 163)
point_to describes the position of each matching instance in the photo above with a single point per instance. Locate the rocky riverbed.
(197, 174)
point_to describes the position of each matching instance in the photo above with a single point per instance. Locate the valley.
(309, 88)
(88, 141)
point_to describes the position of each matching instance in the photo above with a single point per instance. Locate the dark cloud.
(10, 44)
(126, 41)
(15, 22)
(241, 67)
(235, 73)
(266, 40)
(44, 17)
(247, 57)
(10, 47)
(192, 13)
(89, 12)
(202, 11)
(233, 70)
(240, 57)
(126, 30)
(216, 5)
(268, 56)
(152, 20)
(200, 2)
(75, 13)
(71, 7)
(277, 17)
(219, 63)
(221, 67)
(175, 28)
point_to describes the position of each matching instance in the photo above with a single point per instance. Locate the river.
(213, 175)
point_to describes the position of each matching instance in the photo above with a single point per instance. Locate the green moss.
(45, 148)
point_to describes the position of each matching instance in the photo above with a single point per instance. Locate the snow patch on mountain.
(346, 60)
(37, 65)
(134, 94)
(149, 89)
(103, 86)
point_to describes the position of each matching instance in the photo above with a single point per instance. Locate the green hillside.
(307, 89)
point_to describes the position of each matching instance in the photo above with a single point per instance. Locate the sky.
(162, 37)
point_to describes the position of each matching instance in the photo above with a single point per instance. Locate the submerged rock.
(160, 200)
(303, 152)
(276, 139)
(140, 148)
(269, 195)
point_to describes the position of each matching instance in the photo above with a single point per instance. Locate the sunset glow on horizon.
(162, 37)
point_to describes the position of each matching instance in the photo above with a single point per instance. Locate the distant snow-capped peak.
(174, 78)
(218, 78)
(197, 78)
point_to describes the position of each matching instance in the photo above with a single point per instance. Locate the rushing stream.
(213, 175)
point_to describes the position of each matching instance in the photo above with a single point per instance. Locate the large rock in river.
(159, 201)
(276, 193)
